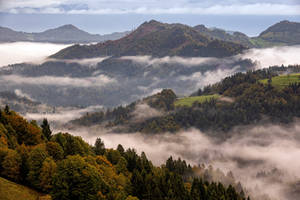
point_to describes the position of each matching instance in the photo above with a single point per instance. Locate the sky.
(105, 16)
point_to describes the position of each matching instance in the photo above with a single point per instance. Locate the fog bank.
(19, 52)
(286, 55)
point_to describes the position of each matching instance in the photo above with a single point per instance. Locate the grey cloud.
(250, 7)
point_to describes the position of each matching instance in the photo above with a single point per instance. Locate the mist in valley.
(264, 158)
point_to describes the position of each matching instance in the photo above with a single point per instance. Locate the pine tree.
(99, 147)
(46, 129)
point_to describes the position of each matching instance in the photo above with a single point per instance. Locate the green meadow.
(283, 80)
(188, 101)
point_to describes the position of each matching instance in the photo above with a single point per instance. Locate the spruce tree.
(46, 129)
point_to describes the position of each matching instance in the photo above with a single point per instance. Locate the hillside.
(66, 167)
(244, 100)
(215, 33)
(63, 34)
(282, 33)
(158, 40)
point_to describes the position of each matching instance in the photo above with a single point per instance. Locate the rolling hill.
(158, 40)
(13, 191)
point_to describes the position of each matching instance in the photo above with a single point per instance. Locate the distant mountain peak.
(283, 26)
(201, 28)
(284, 22)
(284, 32)
(152, 22)
(68, 26)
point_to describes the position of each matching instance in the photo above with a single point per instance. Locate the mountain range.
(282, 33)
(160, 39)
(63, 34)
(279, 34)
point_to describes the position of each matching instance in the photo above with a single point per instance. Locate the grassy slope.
(188, 101)
(283, 80)
(12, 191)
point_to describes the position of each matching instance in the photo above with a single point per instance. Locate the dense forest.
(66, 167)
(246, 98)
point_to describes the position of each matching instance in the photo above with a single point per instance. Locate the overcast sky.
(238, 7)
(169, 10)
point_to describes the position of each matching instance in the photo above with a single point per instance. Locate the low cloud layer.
(287, 55)
(19, 52)
(90, 62)
(148, 60)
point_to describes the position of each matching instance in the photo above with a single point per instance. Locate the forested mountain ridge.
(220, 34)
(64, 34)
(158, 40)
(279, 34)
(68, 168)
(246, 98)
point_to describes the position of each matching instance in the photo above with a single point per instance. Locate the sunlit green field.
(188, 101)
(283, 80)
(12, 191)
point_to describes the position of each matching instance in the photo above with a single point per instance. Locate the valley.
(165, 111)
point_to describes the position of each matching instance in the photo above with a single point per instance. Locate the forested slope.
(66, 167)
(243, 99)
